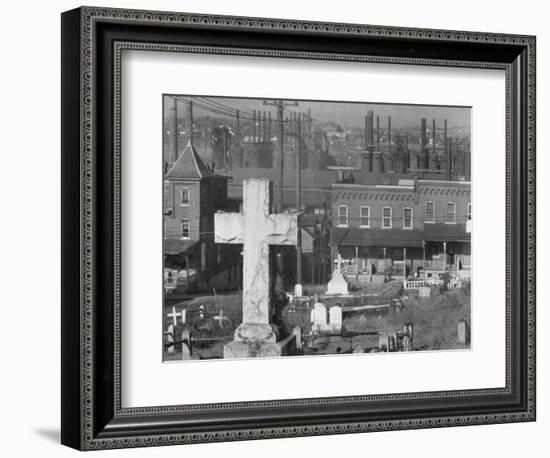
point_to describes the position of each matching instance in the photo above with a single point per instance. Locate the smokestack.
(433, 138)
(377, 133)
(260, 126)
(254, 126)
(447, 152)
(238, 127)
(264, 130)
(423, 162)
(189, 122)
(423, 135)
(172, 155)
(389, 134)
(369, 130)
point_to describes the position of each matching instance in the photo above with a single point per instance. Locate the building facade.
(408, 228)
(192, 195)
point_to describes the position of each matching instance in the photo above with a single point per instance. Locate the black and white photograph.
(308, 227)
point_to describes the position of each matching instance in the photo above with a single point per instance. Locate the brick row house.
(410, 227)
(192, 195)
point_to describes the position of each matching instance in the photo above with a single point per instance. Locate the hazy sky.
(350, 114)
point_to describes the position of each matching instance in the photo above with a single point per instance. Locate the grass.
(435, 319)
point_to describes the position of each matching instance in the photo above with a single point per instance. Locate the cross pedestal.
(256, 229)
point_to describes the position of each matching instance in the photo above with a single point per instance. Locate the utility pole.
(299, 205)
(280, 105)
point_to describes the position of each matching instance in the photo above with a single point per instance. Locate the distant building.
(417, 225)
(192, 195)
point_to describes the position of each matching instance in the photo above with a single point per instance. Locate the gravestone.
(298, 290)
(174, 315)
(463, 331)
(383, 342)
(256, 229)
(319, 317)
(185, 352)
(170, 348)
(337, 284)
(297, 331)
(335, 318)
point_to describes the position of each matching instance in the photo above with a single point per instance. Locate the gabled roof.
(189, 165)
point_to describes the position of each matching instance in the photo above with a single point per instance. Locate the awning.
(176, 246)
(441, 232)
(377, 237)
(356, 236)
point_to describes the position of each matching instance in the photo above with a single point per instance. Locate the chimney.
(369, 130)
(254, 139)
(238, 127)
(264, 131)
(389, 134)
(433, 138)
(423, 152)
(172, 149)
(377, 133)
(447, 152)
(259, 128)
(189, 123)
(269, 126)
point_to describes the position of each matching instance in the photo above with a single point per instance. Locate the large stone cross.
(256, 229)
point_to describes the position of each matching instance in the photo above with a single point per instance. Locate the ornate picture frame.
(93, 40)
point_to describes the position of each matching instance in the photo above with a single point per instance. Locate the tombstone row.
(321, 322)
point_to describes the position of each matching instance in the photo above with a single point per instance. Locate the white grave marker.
(174, 315)
(256, 229)
(335, 318)
(319, 317)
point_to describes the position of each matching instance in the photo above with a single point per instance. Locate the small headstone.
(170, 338)
(407, 344)
(184, 316)
(424, 291)
(335, 318)
(463, 332)
(337, 284)
(383, 342)
(297, 331)
(185, 352)
(392, 340)
(298, 290)
(319, 317)
(408, 330)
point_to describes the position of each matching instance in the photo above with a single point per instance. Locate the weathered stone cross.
(174, 315)
(256, 228)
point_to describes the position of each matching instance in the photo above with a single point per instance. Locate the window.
(185, 196)
(386, 218)
(429, 216)
(451, 213)
(185, 228)
(365, 216)
(469, 211)
(343, 215)
(407, 218)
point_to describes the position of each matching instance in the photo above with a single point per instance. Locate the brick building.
(192, 194)
(422, 226)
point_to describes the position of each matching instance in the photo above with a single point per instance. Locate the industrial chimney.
(172, 151)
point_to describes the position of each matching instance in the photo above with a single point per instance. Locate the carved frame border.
(89, 15)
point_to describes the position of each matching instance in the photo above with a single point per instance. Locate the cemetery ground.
(211, 320)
